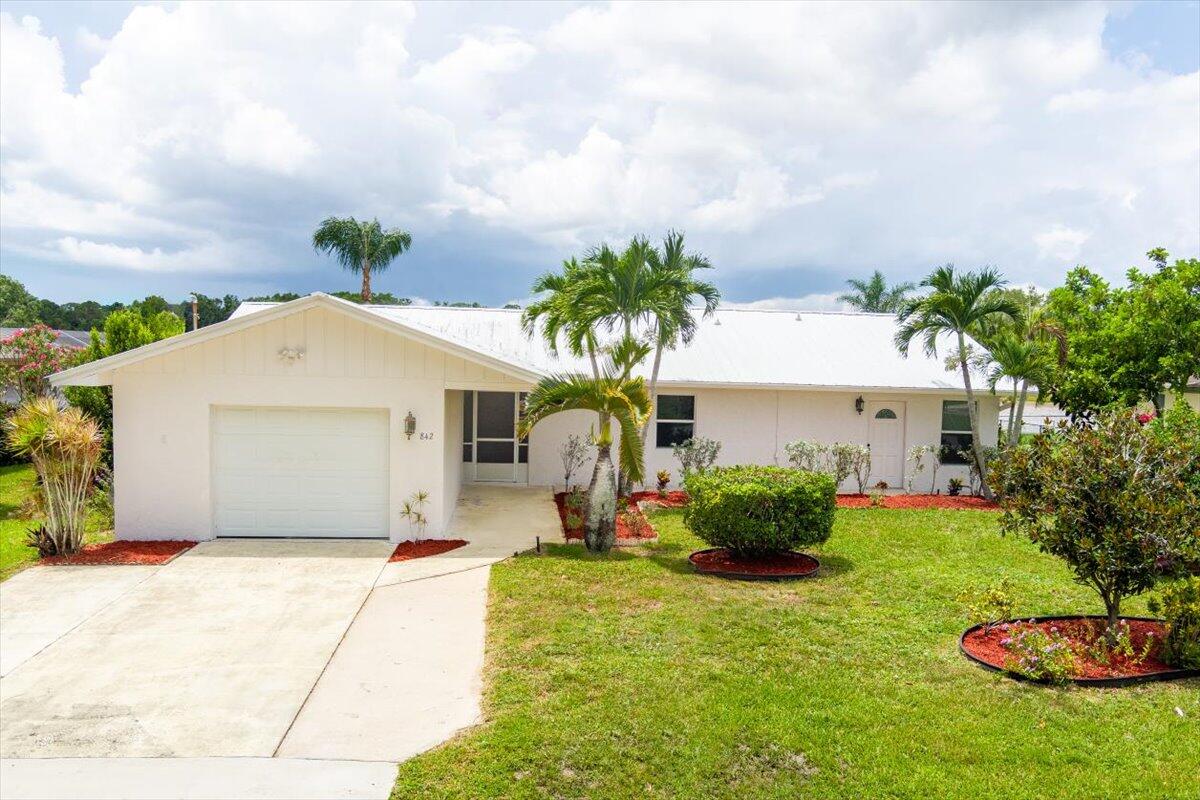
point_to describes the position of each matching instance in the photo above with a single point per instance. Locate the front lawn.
(629, 676)
(16, 481)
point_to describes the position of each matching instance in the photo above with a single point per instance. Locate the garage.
(300, 472)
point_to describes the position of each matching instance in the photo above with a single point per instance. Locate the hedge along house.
(319, 417)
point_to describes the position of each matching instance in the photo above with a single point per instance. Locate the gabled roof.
(732, 348)
(99, 373)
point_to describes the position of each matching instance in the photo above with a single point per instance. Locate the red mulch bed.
(676, 498)
(632, 526)
(406, 551)
(775, 565)
(919, 501)
(987, 648)
(124, 553)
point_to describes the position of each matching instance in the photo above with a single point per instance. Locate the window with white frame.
(675, 419)
(956, 432)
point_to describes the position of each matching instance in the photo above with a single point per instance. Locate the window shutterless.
(675, 419)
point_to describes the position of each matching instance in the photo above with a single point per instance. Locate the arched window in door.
(885, 413)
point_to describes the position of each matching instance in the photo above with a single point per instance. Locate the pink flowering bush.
(30, 356)
(1038, 654)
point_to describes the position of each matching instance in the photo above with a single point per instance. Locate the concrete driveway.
(250, 668)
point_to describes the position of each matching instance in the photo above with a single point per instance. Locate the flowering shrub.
(32, 356)
(697, 454)
(1038, 654)
(1118, 644)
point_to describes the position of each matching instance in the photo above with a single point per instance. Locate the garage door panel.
(300, 472)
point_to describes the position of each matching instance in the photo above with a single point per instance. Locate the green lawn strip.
(628, 675)
(16, 481)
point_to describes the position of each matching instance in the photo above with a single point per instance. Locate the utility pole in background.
(195, 311)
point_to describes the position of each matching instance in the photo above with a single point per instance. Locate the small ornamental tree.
(31, 356)
(1117, 500)
(754, 511)
(574, 454)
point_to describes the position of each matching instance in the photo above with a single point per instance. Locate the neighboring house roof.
(62, 338)
(734, 347)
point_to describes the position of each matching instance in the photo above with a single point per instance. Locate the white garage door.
(300, 472)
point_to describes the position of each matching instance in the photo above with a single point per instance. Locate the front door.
(886, 439)
(497, 456)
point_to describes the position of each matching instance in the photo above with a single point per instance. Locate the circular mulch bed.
(785, 566)
(984, 649)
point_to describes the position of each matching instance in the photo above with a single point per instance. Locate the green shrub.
(1180, 607)
(758, 510)
(1116, 500)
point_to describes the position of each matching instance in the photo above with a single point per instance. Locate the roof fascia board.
(807, 387)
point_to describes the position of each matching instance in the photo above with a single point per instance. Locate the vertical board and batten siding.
(163, 408)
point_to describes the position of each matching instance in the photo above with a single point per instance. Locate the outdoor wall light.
(858, 404)
(291, 355)
(410, 425)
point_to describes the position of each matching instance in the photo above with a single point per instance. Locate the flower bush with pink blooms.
(30, 356)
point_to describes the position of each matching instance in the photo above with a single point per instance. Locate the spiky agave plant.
(65, 446)
(613, 395)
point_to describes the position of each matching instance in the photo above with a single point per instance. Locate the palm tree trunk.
(653, 393)
(976, 443)
(600, 522)
(1012, 410)
(366, 283)
(1014, 435)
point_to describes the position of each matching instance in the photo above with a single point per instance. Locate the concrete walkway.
(497, 520)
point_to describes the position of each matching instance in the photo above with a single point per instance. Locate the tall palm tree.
(613, 395)
(958, 305)
(360, 246)
(875, 295)
(1022, 361)
(557, 310)
(673, 286)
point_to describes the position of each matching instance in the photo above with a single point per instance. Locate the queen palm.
(615, 397)
(875, 295)
(959, 305)
(361, 247)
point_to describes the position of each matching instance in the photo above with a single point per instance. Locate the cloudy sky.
(178, 147)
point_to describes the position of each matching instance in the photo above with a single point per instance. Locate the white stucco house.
(319, 417)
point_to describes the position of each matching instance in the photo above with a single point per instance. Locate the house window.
(675, 419)
(956, 432)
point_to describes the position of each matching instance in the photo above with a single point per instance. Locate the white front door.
(886, 438)
(305, 472)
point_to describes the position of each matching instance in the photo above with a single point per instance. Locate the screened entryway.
(492, 453)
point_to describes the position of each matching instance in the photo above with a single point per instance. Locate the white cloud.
(1060, 243)
(780, 136)
(809, 302)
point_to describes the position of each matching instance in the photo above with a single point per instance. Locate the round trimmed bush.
(758, 510)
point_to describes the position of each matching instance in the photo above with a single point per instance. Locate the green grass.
(628, 675)
(16, 482)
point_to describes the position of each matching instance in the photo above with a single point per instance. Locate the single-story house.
(319, 417)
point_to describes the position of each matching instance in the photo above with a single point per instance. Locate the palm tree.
(874, 294)
(959, 305)
(360, 246)
(673, 285)
(613, 395)
(1021, 361)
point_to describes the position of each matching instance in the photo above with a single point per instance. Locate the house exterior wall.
(754, 425)
(162, 411)
(452, 443)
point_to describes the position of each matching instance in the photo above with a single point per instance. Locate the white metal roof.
(734, 347)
